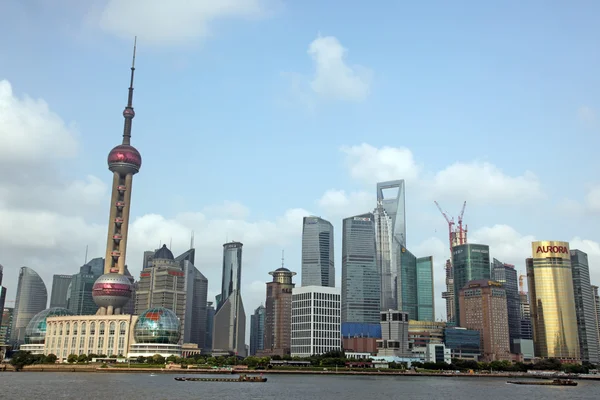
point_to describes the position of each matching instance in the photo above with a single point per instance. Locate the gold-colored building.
(550, 282)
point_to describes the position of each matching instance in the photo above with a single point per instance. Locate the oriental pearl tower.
(112, 291)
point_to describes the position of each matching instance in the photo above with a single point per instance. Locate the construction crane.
(450, 222)
(462, 233)
(521, 285)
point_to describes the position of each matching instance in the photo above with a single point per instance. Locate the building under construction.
(457, 235)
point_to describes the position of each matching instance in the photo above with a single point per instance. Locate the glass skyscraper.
(360, 275)
(425, 296)
(32, 297)
(257, 330)
(390, 231)
(506, 275)
(470, 262)
(417, 286)
(80, 299)
(60, 291)
(584, 307)
(553, 313)
(318, 267)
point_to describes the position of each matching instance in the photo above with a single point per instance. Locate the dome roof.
(282, 269)
(163, 254)
(157, 325)
(35, 333)
(124, 158)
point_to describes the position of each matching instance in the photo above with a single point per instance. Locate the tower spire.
(282, 258)
(128, 113)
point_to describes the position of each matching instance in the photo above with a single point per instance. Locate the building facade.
(470, 262)
(257, 330)
(394, 335)
(318, 268)
(32, 297)
(59, 296)
(81, 301)
(585, 308)
(316, 320)
(417, 286)
(390, 229)
(423, 333)
(278, 318)
(506, 275)
(464, 344)
(210, 319)
(552, 301)
(6, 325)
(229, 330)
(483, 308)
(525, 310)
(596, 297)
(196, 294)
(360, 274)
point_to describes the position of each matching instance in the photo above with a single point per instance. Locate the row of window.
(58, 346)
(58, 328)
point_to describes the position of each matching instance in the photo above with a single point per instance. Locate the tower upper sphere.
(124, 159)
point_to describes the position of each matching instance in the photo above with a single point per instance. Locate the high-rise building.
(360, 275)
(483, 307)
(394, 334)
(525, 313)
(596, 298)
(257, 330)
(318, 267)
(2, 292)
(278, 318)
(464, 344)
(113, 290)
(470, 262)
(81, 301)
(163, 285)
(506, 275)
(210, 318)
(585, 308)
(390, 223)
(196, 293)
(448, 295)
(416, 286)
(32, 297)
(60, 291)
(316, 320)
(229, 332)
(5, 326)
(550, 281)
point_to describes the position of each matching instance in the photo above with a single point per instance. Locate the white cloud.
(175, 21)
(339, 204)
(334, 78)
(586, 114)
(592, 199)
(229, 209)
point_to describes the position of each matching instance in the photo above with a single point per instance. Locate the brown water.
(144, 386)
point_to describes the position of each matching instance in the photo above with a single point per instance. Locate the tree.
(72, 358)
(21, 359)
(50, 359)
(141, 360)
(82, 358)
(158, 359)
(172, 358)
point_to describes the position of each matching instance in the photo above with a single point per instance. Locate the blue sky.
(251, 114)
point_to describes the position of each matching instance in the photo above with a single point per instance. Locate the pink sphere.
(124, 158)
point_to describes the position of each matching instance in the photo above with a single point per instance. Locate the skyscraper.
(196, 293)
(470, 262)
(360, 275)
(2, 293)
(278, 317)
(32, 297)
(229, 331)
(257, 330)
(585, 308)
(210, 319)
(60, 291)
(6, 324)
(596, 298)
(425, 289)
(525, 309)
(416, 286)
(506, 275)
(390, 231)
(81, 301)
(317, 252)
(113, 290)
(550, 281)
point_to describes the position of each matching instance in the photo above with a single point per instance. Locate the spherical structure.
(35, 332)
(124, 159)
(163, 254)
(112, 290)
(157, 325)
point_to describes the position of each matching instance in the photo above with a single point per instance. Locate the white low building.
(316, 320)
(433, 353)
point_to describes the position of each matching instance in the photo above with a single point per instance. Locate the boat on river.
(555, 382)
(241, 378)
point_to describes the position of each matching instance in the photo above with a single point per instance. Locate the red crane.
(462, 233)
(450, 222)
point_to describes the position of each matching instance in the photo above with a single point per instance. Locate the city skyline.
(75, 184)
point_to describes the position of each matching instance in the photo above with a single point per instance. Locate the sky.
(251, 114)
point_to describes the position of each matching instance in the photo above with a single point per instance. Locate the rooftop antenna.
(192, 241)
(171, 243)
(86, 254)
(159, 244)
(282, 257)
(129, 113)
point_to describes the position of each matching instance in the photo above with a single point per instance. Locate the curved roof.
(163, 254)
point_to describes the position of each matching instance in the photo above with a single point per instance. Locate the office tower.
(416, 286)
(525, 313)
(2, 293)
(112, 290)
(129, 308)
(448, 295)
(550, 281)
(506, 275)
(32, 297)
(470, 262)
(257, 330)
(315, 320)
(6, 324)
(278, 319)
(60, 291)
(196, 293)
(463, 343)
(81, 301)
(210, 318)
(394, 334)
(596, 298)
(162, 285)
(585, 308)
(360, 275)
(390, 223)
(317, 252)
(229, 331)
(148, 256)
(483, 307)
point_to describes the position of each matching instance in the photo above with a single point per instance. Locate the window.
(93, 328)
(60, 329)
(83, 326)
(75, 328)
(111, 329)
(122, 328)
(67, 328)
(102, 327)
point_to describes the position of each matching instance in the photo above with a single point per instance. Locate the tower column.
(125, 224)
(108, 260)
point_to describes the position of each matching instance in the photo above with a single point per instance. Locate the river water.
(146, 386)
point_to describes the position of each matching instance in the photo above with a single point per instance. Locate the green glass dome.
(157, 325)
(35, 333)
